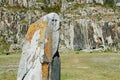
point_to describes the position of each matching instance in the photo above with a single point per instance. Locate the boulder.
(117, 2)
(14, 48)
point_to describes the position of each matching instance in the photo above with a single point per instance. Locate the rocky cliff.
(90, 26)
(85, 24)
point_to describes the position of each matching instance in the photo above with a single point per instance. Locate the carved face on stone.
(53, 19)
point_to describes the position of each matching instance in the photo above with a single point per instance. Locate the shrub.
(55, 8)
(118, 23)
(110, 3)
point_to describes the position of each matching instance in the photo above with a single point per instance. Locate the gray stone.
(14, 47)
(117, 2)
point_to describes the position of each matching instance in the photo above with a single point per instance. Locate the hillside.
(85, 24)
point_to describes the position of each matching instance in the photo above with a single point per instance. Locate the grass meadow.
(75, 65)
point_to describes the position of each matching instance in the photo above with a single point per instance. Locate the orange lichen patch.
(31, 31)
(33, 27)
(45, 71)
(48, 49)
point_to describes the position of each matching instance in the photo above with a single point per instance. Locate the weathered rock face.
(97, 1)
(92, 1)
(83, 35)
(16, 15)
(90, 34)
(89, 1)
(29, 3)
(85, 28)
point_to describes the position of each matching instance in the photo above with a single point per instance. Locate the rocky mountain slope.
(85, 24)
(90, 26)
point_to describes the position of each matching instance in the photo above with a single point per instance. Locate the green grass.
(9, 66)
(4, 47)
(90, 66)
(74, 66)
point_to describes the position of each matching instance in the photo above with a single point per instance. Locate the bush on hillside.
(110, 3)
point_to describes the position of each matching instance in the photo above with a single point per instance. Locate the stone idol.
(40, 57)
